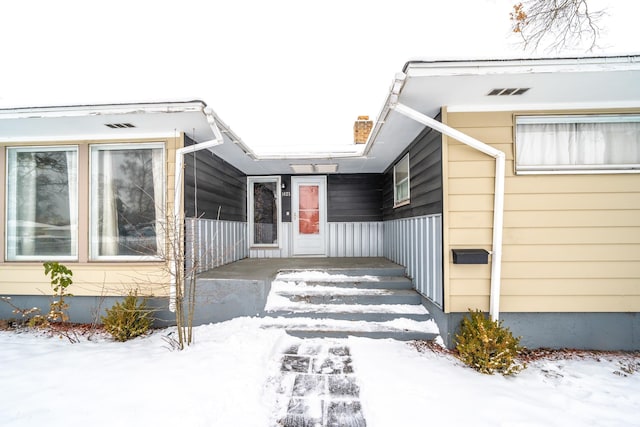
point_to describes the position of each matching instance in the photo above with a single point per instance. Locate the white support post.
(177, 199)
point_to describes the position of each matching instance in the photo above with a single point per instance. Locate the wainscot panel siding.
(425, 170)
(344, 239)
(416, 243)
(221, 188)
(571, 242)
(354, 197)
(212, 243)
(355, 239)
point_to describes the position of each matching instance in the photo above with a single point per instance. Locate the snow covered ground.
(229, 378)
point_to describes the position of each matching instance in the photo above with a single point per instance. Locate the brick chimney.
(361, 129)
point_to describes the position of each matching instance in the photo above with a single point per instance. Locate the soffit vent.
(119, 125)
(508, 91)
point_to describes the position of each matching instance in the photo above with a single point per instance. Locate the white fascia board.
(106, 109)
(227, 134)
(522, 66)
(461, 108)
(85, 137)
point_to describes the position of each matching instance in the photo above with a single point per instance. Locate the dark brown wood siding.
(354, 197)
(425, 178)
(221, 189)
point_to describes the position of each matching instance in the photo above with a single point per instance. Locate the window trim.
(40, 148)
(250, 214)
(583, 169)
(92, 229)
(398, 203)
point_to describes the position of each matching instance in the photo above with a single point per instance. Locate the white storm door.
(309, 214)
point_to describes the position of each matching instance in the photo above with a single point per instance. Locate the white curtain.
(108, 234)
(72, 187)
(611, 143)
(158, 196)
(544, 144)
(577, 144)
(12, 205)
(21, 209)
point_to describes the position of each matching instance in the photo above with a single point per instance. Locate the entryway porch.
(317, 297)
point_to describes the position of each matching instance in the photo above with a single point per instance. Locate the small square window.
(401, 182)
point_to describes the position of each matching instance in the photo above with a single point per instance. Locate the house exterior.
(93, 187)
(510, 186)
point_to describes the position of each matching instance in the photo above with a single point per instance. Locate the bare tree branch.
(556, 24)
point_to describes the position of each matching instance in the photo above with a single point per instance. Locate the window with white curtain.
(127, 201)
(608, 143)
(42, 204)
(401, 182)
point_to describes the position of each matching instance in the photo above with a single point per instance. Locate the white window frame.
(94, 253)
(521, 169)
(405, 201)
(250, 214)
(74, 214)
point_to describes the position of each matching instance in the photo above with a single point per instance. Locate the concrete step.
(371, 271)
(400, 329)
(394, 335)
(385, 282)
(351, 296)
(337, 303)
(378, 313)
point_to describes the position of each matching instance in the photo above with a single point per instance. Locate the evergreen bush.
(128, 319)
(487, 346)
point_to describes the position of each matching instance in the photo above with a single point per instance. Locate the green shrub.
(487, 346)
(61, 278)
(128, 319)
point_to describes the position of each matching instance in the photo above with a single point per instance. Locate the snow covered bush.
(128, 319)
(487, 346)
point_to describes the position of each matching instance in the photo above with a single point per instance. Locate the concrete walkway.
(318, 386)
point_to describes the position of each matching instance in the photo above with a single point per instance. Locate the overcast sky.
(280, 73)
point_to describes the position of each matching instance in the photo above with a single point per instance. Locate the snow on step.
(279, 303)
(396, 325)
(323, 276)
(324, 304)
(287, 295)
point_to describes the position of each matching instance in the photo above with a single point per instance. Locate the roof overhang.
(108, 122)
(424, 85)
(593, 83)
